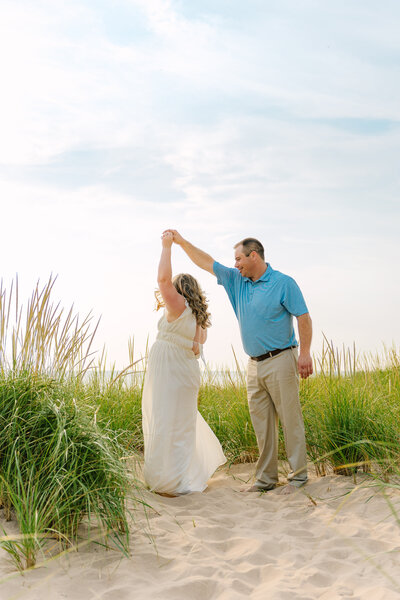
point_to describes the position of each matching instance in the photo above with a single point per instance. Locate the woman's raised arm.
(174, 302)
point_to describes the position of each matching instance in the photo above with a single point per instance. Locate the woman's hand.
(166, 239)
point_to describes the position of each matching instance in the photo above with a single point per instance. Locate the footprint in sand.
(320, 579)
(195, 588)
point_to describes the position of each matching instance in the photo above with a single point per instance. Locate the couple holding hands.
(181, 451)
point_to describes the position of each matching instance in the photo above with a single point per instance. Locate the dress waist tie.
(175, 338)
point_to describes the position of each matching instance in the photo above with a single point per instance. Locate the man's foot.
(256, 488)
(289, 489)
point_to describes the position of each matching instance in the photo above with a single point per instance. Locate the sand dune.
(332, 539)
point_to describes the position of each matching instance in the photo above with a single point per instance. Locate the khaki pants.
(273, 392)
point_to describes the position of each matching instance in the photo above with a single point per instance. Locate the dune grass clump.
(348, 429)
(352, 413)
(57, 466)
(43, 338)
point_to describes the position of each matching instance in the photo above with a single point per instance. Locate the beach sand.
(332, 539)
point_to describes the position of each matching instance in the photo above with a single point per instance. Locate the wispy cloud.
(279, 120)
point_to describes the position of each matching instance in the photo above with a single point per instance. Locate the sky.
(275, 119)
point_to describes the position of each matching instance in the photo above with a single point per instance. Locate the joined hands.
(177, 238)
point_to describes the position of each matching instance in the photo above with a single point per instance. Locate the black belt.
(271, 353)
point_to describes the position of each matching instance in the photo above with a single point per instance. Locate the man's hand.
(178, 239)
(199, 257)
(305, 365)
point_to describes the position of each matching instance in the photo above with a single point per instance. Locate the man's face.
(243, 263)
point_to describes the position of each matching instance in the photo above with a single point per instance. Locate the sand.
(332, 539)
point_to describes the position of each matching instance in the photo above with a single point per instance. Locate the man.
(265, 301)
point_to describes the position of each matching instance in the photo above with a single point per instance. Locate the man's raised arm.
(200, 258)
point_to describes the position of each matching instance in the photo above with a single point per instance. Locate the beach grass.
(68, 423)
(351, 412)
(351, 409)
(58, 467)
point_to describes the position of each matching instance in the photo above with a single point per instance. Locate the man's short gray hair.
(251, 245)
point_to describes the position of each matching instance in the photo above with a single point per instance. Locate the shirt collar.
(264, 277)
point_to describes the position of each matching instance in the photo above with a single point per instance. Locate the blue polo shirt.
(264, 308)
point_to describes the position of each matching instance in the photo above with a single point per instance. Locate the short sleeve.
(228, 278)
(225, 275)
(292, 298)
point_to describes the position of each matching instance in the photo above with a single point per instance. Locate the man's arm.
(199, 257)
(305, 363)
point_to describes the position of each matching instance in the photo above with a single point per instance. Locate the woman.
(180, 450)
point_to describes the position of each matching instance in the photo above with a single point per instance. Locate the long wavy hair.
(188, 287)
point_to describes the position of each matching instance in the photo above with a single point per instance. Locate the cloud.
(279, 122)
(70, 85)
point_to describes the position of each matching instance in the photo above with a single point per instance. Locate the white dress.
(181, 452)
